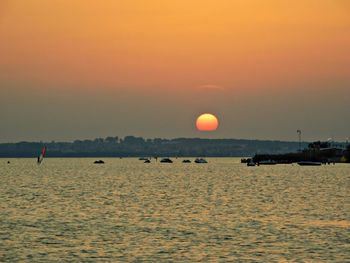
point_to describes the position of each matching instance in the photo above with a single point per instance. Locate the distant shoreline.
(131, 146)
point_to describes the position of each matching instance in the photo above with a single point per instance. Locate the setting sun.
(207, 122)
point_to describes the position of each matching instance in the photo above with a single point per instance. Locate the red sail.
(43, 151)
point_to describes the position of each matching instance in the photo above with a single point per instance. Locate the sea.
(72, 210)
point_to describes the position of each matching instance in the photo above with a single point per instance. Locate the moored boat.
(200, 160)
(166, 160)
(267, 162)
(309, 163)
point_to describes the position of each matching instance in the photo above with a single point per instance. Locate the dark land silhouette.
(131, 146)
(324, 152)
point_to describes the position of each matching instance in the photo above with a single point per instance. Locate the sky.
(85, 69)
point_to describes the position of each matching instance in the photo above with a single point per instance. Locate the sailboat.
(42, 155)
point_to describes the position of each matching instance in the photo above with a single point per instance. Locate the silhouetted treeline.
(131, 146)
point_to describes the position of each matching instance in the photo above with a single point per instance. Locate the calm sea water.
(125, 210)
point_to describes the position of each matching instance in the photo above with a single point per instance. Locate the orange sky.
(239, 47)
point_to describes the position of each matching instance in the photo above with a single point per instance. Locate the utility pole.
(299, 134)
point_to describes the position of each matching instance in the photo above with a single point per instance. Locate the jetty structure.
(317, 152)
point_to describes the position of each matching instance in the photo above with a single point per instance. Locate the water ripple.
(72, 210)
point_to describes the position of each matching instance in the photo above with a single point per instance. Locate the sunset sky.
(84, 68)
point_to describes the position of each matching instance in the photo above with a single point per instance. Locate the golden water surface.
(125, 210)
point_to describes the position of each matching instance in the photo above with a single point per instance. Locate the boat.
(186, 161)
(147, 161)
(251, 163)
(42, 155)
(267, 162)
(200, 160)
(99, 162)
(309, 163)
(166, 160)
(246, 160)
